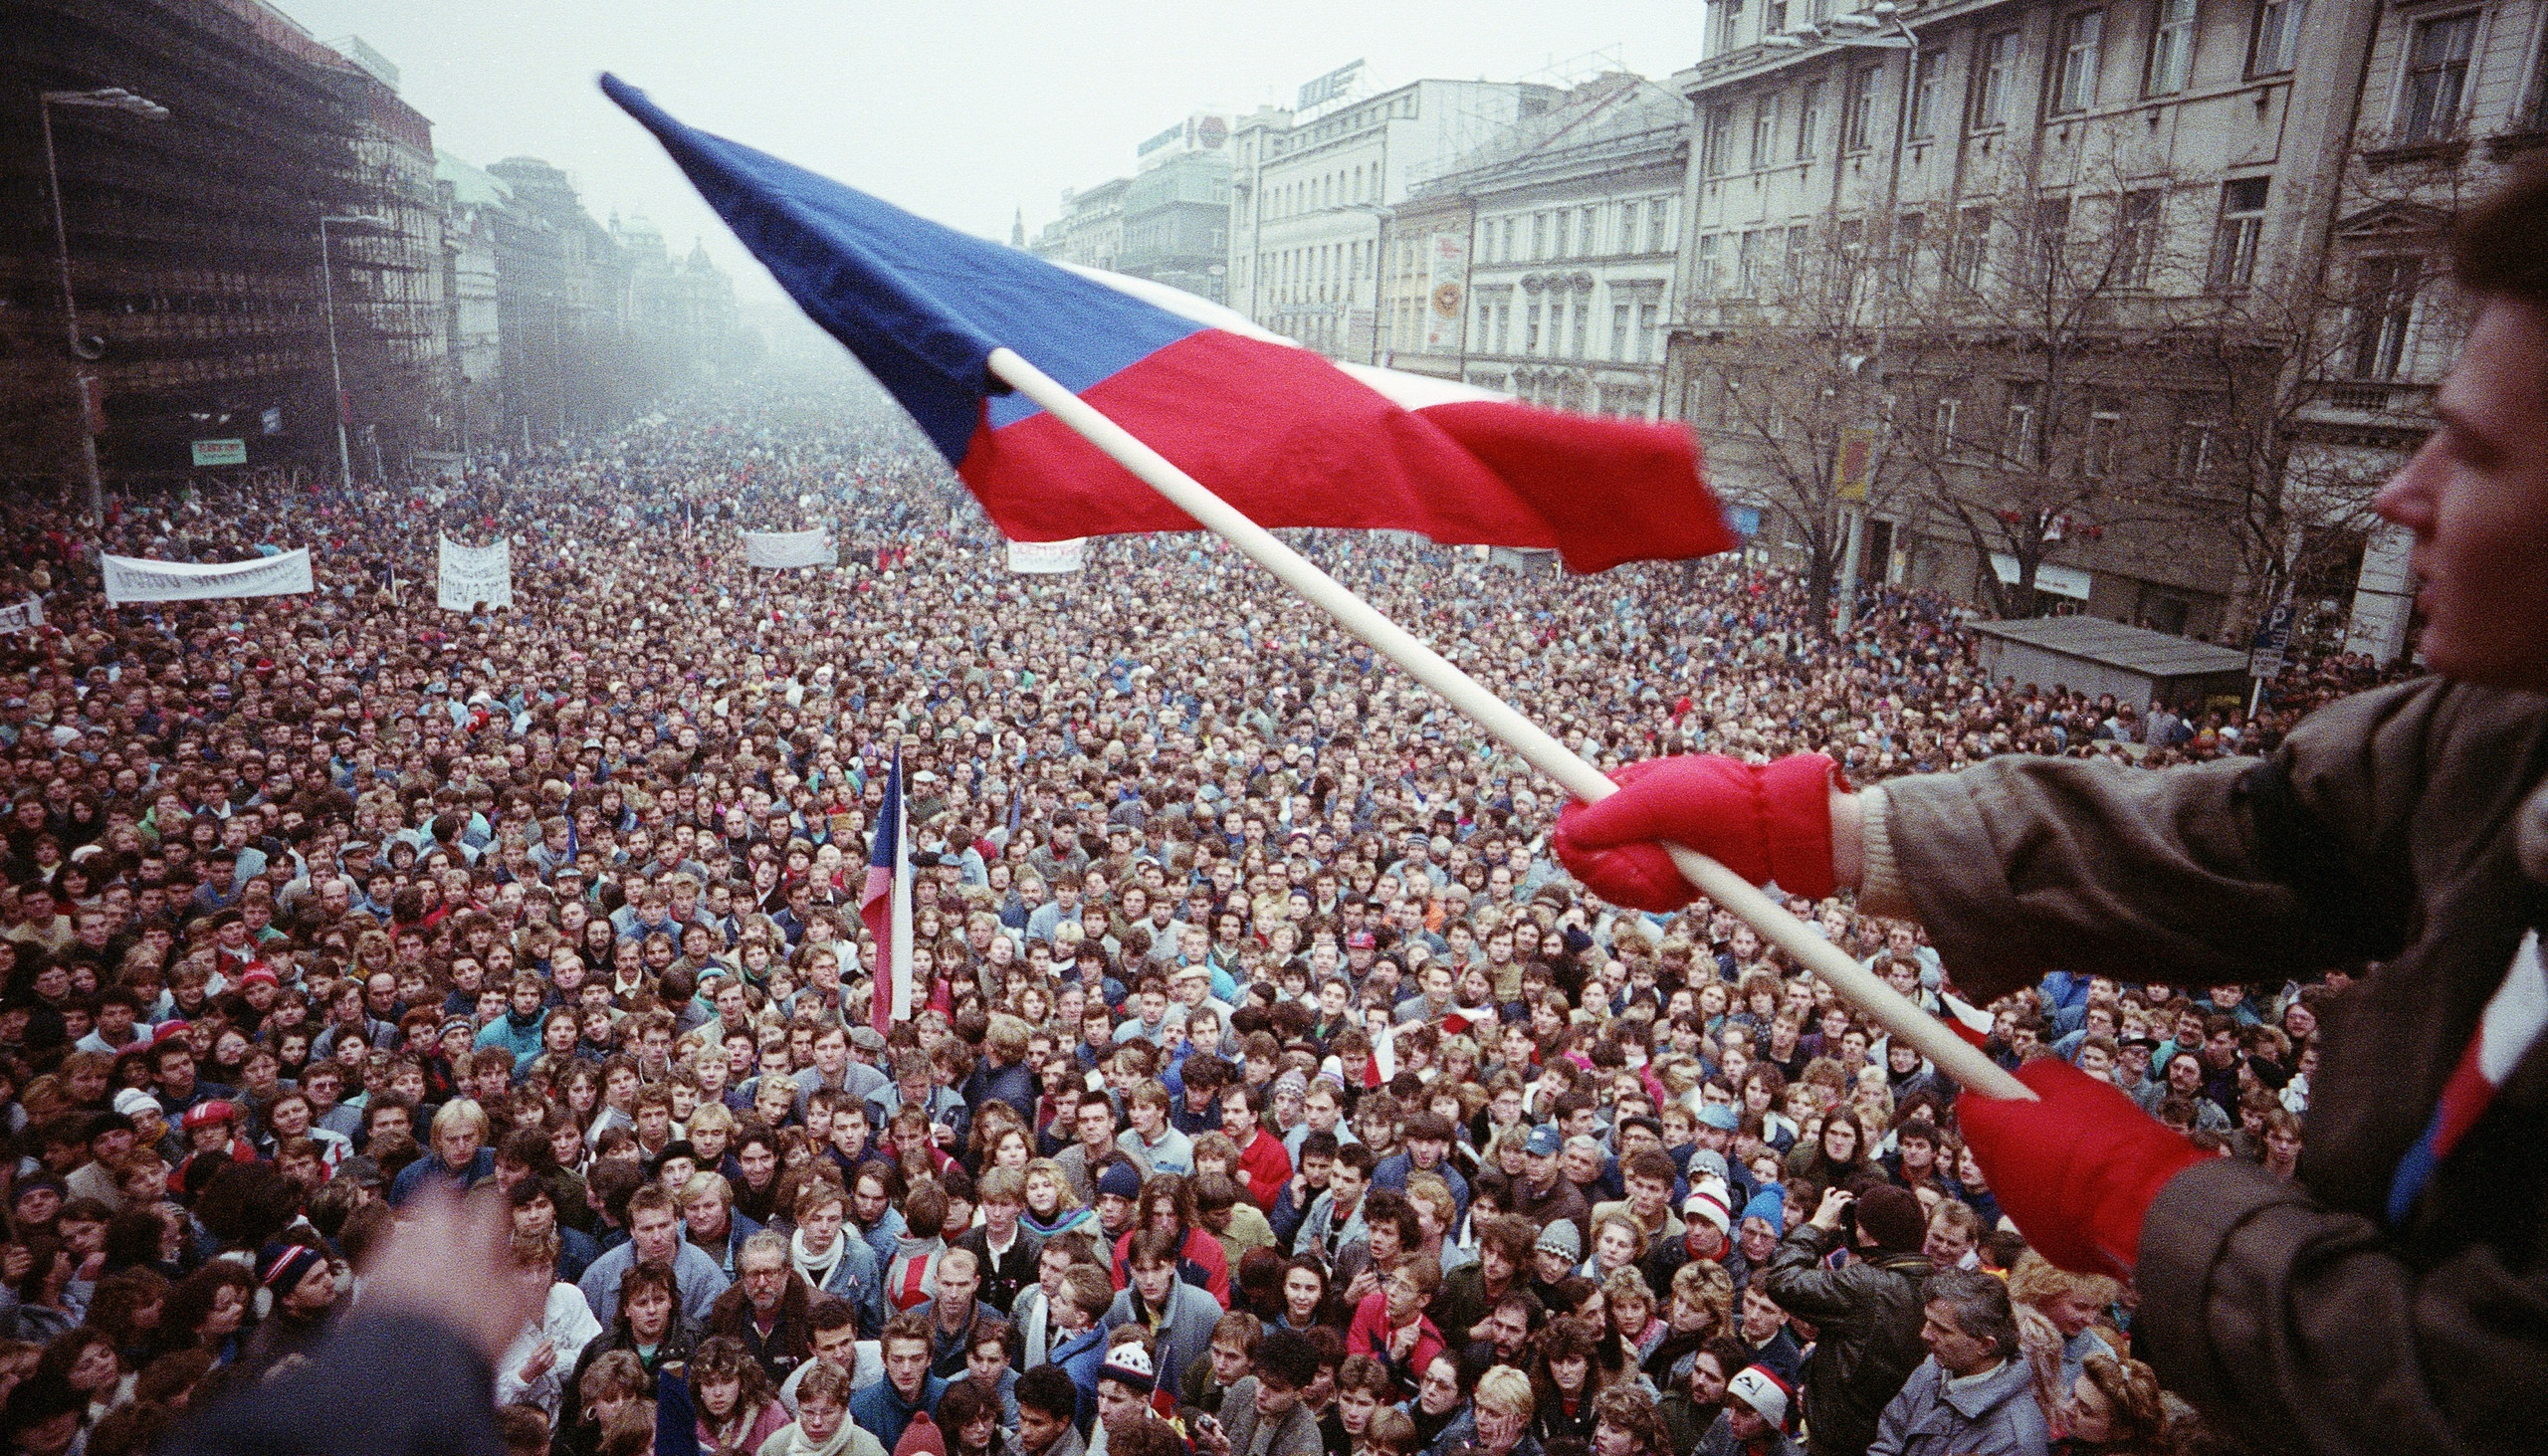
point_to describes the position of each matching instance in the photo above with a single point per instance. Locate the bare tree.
(1785, 386)
(2067, 380)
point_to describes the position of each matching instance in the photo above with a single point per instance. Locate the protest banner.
(1036, 559)
(19, 616)
(473, 574)
(138, 579)
(785, 548)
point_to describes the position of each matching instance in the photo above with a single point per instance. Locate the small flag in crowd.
(1282, 434)
(1965, 1019)
(887, 907)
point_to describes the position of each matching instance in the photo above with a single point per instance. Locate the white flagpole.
(899, 900)
(1950, 1054)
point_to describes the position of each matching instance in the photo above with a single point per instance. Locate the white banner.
(473, 574)
(783, 549)
(1044, 558)
(19, 616)
(138, 579)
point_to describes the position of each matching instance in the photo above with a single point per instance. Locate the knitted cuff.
(1881, 887)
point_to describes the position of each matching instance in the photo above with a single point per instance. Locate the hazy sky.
(960, 111)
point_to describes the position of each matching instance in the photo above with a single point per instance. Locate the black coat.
(381, 1384)
(1866, 1321)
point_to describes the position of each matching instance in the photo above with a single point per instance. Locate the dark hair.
(2495, 249)
(1286, 1355)
(1048, 1389)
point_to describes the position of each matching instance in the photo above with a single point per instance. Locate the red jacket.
(1369, 1335)
(1266, 1167)
(1201, 1262)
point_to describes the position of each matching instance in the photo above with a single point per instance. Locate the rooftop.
(2112, 644)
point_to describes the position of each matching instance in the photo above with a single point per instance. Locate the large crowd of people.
(1269, 1088)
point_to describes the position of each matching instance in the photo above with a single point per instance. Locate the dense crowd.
(1270, 1088)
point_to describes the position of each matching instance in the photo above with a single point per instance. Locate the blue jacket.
(1082, 1355)
(482, 1166)
(881, 1412)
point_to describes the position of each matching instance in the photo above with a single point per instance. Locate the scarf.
(798, 1444)
(816, 1268)
(1064, 1220)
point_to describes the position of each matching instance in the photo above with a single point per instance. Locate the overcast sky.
(958, 109)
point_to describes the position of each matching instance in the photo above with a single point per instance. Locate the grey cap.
(867, 1038)
(1560, 1238)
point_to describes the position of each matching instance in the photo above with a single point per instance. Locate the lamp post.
(335, 370)
(109, 98)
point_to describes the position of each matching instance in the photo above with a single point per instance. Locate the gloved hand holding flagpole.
(945, 320)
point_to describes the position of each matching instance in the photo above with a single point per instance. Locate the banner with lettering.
(138, 579)
(473, 574)
(785, 548)
(1039, 558)
(19, 616)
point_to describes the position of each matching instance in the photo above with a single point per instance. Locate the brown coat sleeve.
(2304, 1329)
(2240, 870)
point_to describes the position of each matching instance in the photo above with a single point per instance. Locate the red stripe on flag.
(1291, 440)
(876, 911)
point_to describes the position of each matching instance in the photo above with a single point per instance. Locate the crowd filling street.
(1271, 1085)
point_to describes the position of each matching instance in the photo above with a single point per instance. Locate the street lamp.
(107, 99)
(336, 372)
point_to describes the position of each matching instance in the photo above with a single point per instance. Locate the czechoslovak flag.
(886, 908)
(1966, 1020)
(1285, 436)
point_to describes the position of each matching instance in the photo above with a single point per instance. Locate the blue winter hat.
(1121, 1178)
(1770, 1206)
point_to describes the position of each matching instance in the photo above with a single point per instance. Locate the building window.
(1658, 225)
(1859, 123)
(1729, 13)
(1971, 251)
(1809, 121)
(2384, 314)
(1582, 322)
(1747, 259)
(1565, 235)
(1942, 422)
(1718, 140)
(2172, 47)
(1627, 227)
(2198, 442)
(2105, 439)
(1647, 316)
(2074, 86)
(1539, 236)
(2137, 225)
(1531, 329)
(2277, 40)
(1703, 277)
(1928, 84)
(1999, 68)
(2437, 76)
(1908, 233)
(1589, 231)
(1765, 132)
(1503, 325)
(2242, 225)
(2051, 241)
(2018, 423)
(1800, 247)
(1619, 333)
(2534, 106)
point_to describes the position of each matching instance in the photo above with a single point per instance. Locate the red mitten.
(2078, 1168)
(1771, 822)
